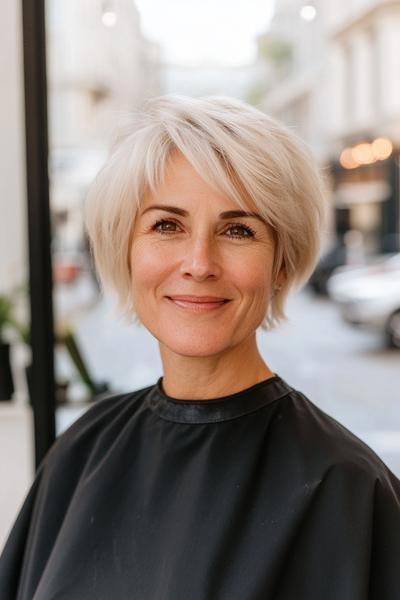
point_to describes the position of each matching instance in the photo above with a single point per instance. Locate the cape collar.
(219, 409)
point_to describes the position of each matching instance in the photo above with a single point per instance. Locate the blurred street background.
(330, 71)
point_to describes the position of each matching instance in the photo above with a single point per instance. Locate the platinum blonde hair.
(236, 148)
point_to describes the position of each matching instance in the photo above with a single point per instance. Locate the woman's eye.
(236, 230)
(165, 226)
(240, 231)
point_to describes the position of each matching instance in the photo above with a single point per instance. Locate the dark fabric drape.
(255, 496)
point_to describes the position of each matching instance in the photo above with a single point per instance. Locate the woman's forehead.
(182, 184)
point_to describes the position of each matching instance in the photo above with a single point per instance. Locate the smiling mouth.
(198, 305)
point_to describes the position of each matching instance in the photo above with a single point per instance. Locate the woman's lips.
(198, 304)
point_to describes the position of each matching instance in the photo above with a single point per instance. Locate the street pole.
(42, 386)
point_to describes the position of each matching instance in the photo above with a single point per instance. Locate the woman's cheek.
(253, 276)
(148, 263)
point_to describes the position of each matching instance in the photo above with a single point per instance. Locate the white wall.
(12, 150)
(16, 443)
(388, 45)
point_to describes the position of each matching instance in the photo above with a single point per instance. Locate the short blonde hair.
(241, 152)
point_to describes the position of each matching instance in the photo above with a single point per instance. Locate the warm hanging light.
(109, 18)
(363, 154)
(382, 148)
(347, 160)
(108, 13)
(308, 12)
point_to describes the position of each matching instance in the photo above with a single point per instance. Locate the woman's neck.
(202, 378)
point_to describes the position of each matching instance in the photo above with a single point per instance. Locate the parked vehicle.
(333, 258)
(369, 296)
(348, 251)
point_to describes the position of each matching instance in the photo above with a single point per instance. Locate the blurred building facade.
(364, 128)
(335, 81)
(294, 51)
(98, 63)
(100, 67)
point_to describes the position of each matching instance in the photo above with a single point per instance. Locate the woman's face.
(189, 241)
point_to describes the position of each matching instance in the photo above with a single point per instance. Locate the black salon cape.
(255, 496)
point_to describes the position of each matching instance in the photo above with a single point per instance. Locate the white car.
(369, 295)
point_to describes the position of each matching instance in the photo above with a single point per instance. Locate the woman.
(220, 481)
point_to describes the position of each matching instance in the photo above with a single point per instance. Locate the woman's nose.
(201, 259)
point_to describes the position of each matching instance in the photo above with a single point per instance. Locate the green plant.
(8, 319)
(5, 314)
(63, 334)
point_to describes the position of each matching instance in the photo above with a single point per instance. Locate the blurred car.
(369, 295)
(333, 258)
(340, 254)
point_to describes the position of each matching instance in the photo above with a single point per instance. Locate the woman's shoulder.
(323, 441)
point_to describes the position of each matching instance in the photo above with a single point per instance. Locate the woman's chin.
(194, 346)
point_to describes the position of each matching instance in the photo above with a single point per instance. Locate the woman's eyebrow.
(228, 214)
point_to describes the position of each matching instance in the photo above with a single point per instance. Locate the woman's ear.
(281, 278)
(279, 282)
